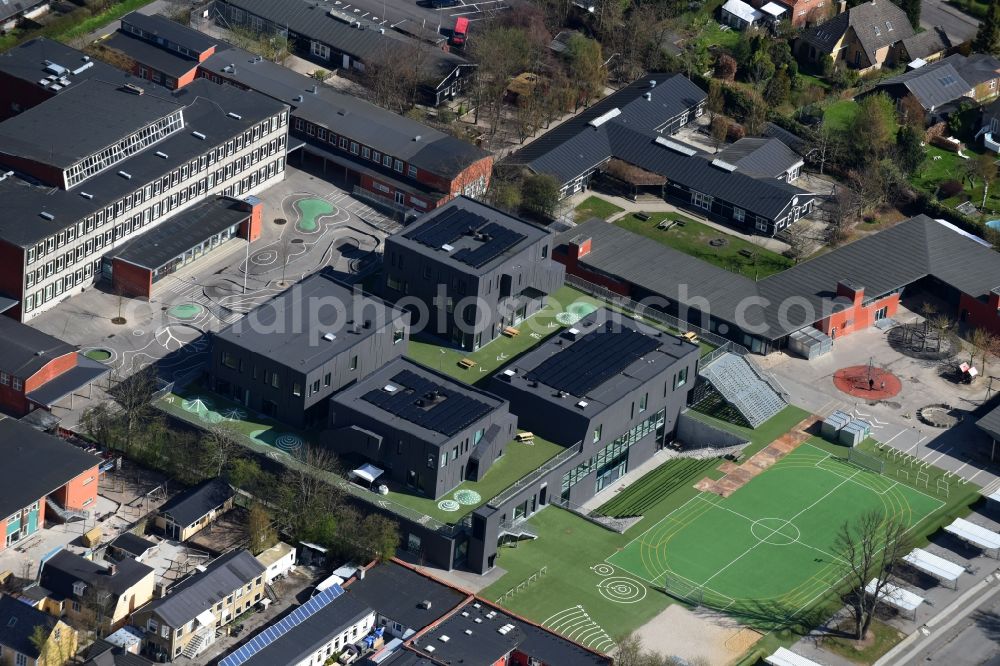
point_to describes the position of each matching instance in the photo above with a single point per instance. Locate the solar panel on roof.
(500, 239)
(446, 227)
(279, 629)
(428, 404)
(593, 359)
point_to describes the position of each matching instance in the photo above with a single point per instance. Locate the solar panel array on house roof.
(427, 404)
(593, 359)
(279, 629)
(487, 240)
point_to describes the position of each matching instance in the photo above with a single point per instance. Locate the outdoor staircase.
(271, 594)
(63, 513)
(743, 387)
(192, 649)
(517, 530)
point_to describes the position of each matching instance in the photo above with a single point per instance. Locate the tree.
(868, 550)
(911, 112)
(378, 537)
(845, 212)
(912, 9)
(504, 193)
(987, 38)
(984, 342)
(909, 153)
(725, 68)
(985, 169)
(798, 243)
(261, 528)
(760, 69)
(716, 99)
(629, 652)
(394, 74)
(309, 490)
(134, 394)
(940, 324)
(221, 442)
(872, 131)
(274, 46)
(778, 88)
(719, 128)
(540, 195)
(54, 647)
(586, 66)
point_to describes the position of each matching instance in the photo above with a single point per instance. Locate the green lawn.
(519, 460)
(73, 25)
(813, 80)
(568, 596)
(693, 238)
(839, 115)
(885, 637)
(766, 553)
(595, 207)
(765, 433)
(503, 350)
(952, 167)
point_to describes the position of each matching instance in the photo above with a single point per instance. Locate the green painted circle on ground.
(185, 310)
(310, 211)
(100, 355)
(581, 308)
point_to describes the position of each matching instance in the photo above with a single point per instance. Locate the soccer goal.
(682, 589)
(865, 460)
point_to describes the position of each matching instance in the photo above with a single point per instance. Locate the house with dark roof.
(940, 85)
(290, 354)
(863, 37)
(89, 593)
(189, 512)
(405, 600)
(21, 627)
(482, 634)
(633, 127)
(185, 621)
(399, 162)
(38, 370)
(766, 156)
(327, 625)
(13, 12)
(838, 293)
(926, 46)
(41, 477)
(132, 546)
(428, 431)
(339, 39)
(478, 271)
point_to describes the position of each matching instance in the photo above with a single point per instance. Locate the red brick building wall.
(132, 280)
(570, 258)
(981, 314)
(24, 94)
(251, 228)
(50, 371)
(858, 316)
(80, 492)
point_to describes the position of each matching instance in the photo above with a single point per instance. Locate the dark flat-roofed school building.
(290, 354)
(99, 160)
(429, 431)
(476, 254)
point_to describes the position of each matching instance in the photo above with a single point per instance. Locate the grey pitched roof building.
(64, 569)
(35, 464)
(766, 156)
(882, 263)
(18, 622)
(633, 125)
(188, 506)
(398, 593)
(27, 350)
(202, 590)
(875, 24)
(938, 83)
(926, 44)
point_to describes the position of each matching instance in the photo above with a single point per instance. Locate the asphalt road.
(957, 25)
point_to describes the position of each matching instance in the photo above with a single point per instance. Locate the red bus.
(458, 33)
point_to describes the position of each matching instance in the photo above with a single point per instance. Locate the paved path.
(958, 25)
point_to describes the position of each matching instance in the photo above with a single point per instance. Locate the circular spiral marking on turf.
(288, 442)
(603, 570)
(467, 497)
(449, 505)
(622, 590)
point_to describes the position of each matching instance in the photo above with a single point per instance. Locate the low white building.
(277, 560)
(739, 15)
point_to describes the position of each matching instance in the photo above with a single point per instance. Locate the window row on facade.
(354, 148)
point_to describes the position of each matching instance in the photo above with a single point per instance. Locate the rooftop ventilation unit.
(648, 96)
(134, 89)
(652, 84)
(46, 216)
(162, 154)
(86, 195)
(297, 98)
(676, 147)
(582, 404)
(53, 68)
(417, 138)
(235, 115)
(125, 174)
(389, 388)
(447, 248)
(465, 613)
(605, 117)
(83, 68)
(478, 620)
(444, 639)
(425, 604)
(198, 135)
(725, 166)
(509, 374)
(468, 632)
(429, 648)
(314, 89)
(329, 337)
(258, 58)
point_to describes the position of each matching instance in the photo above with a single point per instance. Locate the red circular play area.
(869, 382)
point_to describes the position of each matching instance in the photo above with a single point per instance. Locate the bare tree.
(985, 343)
(134, 394)
(868, 550)
(940, 323)
(221, 442)
(719, 128)
(261, 528)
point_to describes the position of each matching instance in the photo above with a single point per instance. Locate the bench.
(746, 253)
(511, 332)
(642, 216)
(467, 363)
(525, 437)
(664, 225)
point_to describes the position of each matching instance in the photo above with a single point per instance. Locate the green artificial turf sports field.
(769, 546)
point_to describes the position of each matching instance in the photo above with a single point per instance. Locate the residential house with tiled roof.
(863, 37)
(21, 627)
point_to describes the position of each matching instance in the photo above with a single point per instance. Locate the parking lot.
(309, 224)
